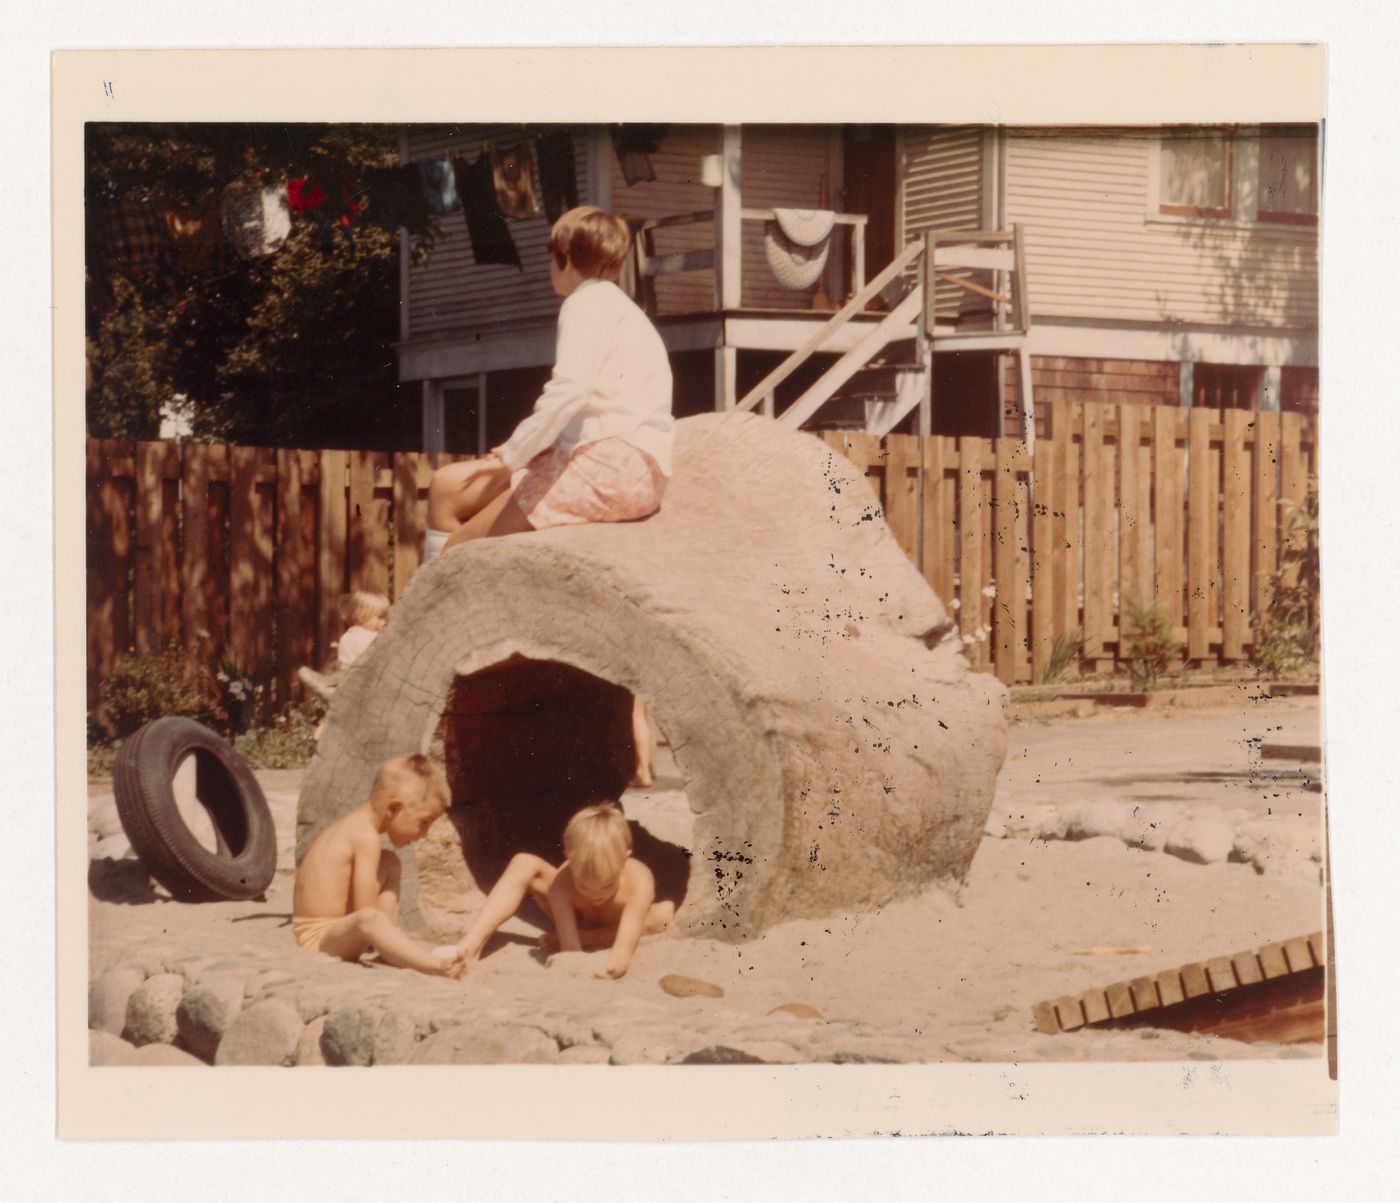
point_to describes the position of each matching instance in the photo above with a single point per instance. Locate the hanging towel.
(193, 234)
(396, 199)
(796, 243)
(440, 185)
(634, 145)
(486, 227)
(558, 178)
(515, 190)
(132, 236)
(256, 221)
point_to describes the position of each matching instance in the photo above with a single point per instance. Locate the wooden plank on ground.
(972, 573)
(368, 531)
(1120, 999)
(1221, 972)
(1144, 991)
(1194, 982)
(1264, 511)
(1168, 552)
(1234, 554)
(1202, 514)
(900, 450)
(1169, 988)
(1099, 550)
(330, 560)
(1272, 961)
(1246, 966)
(1068, 1012)
(1042, 562)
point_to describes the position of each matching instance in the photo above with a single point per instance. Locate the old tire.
(143, 780)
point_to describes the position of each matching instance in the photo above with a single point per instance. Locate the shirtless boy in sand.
(599, 897)
(347, 890)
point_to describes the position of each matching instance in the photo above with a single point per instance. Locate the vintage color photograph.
(678, 594)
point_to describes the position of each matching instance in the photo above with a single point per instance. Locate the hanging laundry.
(558, 177)
(305, 195)
(796, 243)
(193, 234)
(256, 221)
(440, 185)
(486, 227)
(132, 237)
(396, 199)
(515, 190)
(634, 145)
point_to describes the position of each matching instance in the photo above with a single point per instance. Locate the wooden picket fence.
(239, 554)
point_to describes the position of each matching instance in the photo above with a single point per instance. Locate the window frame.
(1172, 209)
(1282, 216)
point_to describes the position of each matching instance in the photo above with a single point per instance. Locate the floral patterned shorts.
(606, 481)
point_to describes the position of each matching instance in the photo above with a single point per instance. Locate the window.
(1196, 174)
(1298, 390)
(1288, 174)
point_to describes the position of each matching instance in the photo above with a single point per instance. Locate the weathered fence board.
(242, 554)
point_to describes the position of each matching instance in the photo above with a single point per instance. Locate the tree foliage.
(294, 349)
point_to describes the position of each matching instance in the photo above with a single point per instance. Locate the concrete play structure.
(836, 750)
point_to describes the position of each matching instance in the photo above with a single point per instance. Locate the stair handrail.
(837, 320)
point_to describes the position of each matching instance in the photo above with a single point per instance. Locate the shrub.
(145, 687)
(1062, 655)
(286, 743)
(1286, 633)
(1149, 647)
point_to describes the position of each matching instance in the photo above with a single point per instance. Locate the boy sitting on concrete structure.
(600, 897)
(347, 889)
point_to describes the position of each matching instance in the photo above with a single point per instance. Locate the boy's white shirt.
(611, 379)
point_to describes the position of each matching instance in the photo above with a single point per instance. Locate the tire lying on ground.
(143, 780)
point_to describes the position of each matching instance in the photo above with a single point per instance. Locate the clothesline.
(137, 236)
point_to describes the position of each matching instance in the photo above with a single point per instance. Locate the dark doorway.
(870, 170)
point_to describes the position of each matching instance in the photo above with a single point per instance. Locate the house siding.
(945, 185)
(781, 167)
(1095, 250)
(451, 293)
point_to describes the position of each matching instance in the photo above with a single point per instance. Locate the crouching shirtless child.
(347, 890)
(600, 897)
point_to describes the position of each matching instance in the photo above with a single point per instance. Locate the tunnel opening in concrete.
(526, 743)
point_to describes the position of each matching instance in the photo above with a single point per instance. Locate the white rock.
(1088, 820)
(107, 1049)
(1146, 826)
(309, 1045)
(162, 1054)
(206, 1011)
(496, 1044)
(267, 1033)
(113, 847)
(1201, 841)
(108, 996)
(150, 1013)
(585, 1054)
(105, 821)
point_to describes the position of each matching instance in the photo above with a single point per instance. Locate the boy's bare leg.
(347, 938)
(642, 741)
(525, 875)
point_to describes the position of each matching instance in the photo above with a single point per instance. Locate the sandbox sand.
(946, 975)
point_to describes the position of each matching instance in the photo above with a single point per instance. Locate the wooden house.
(970, 271)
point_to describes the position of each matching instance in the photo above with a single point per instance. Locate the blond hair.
(414, 780)
(597, 842)
(595, 241)
(361, 607)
